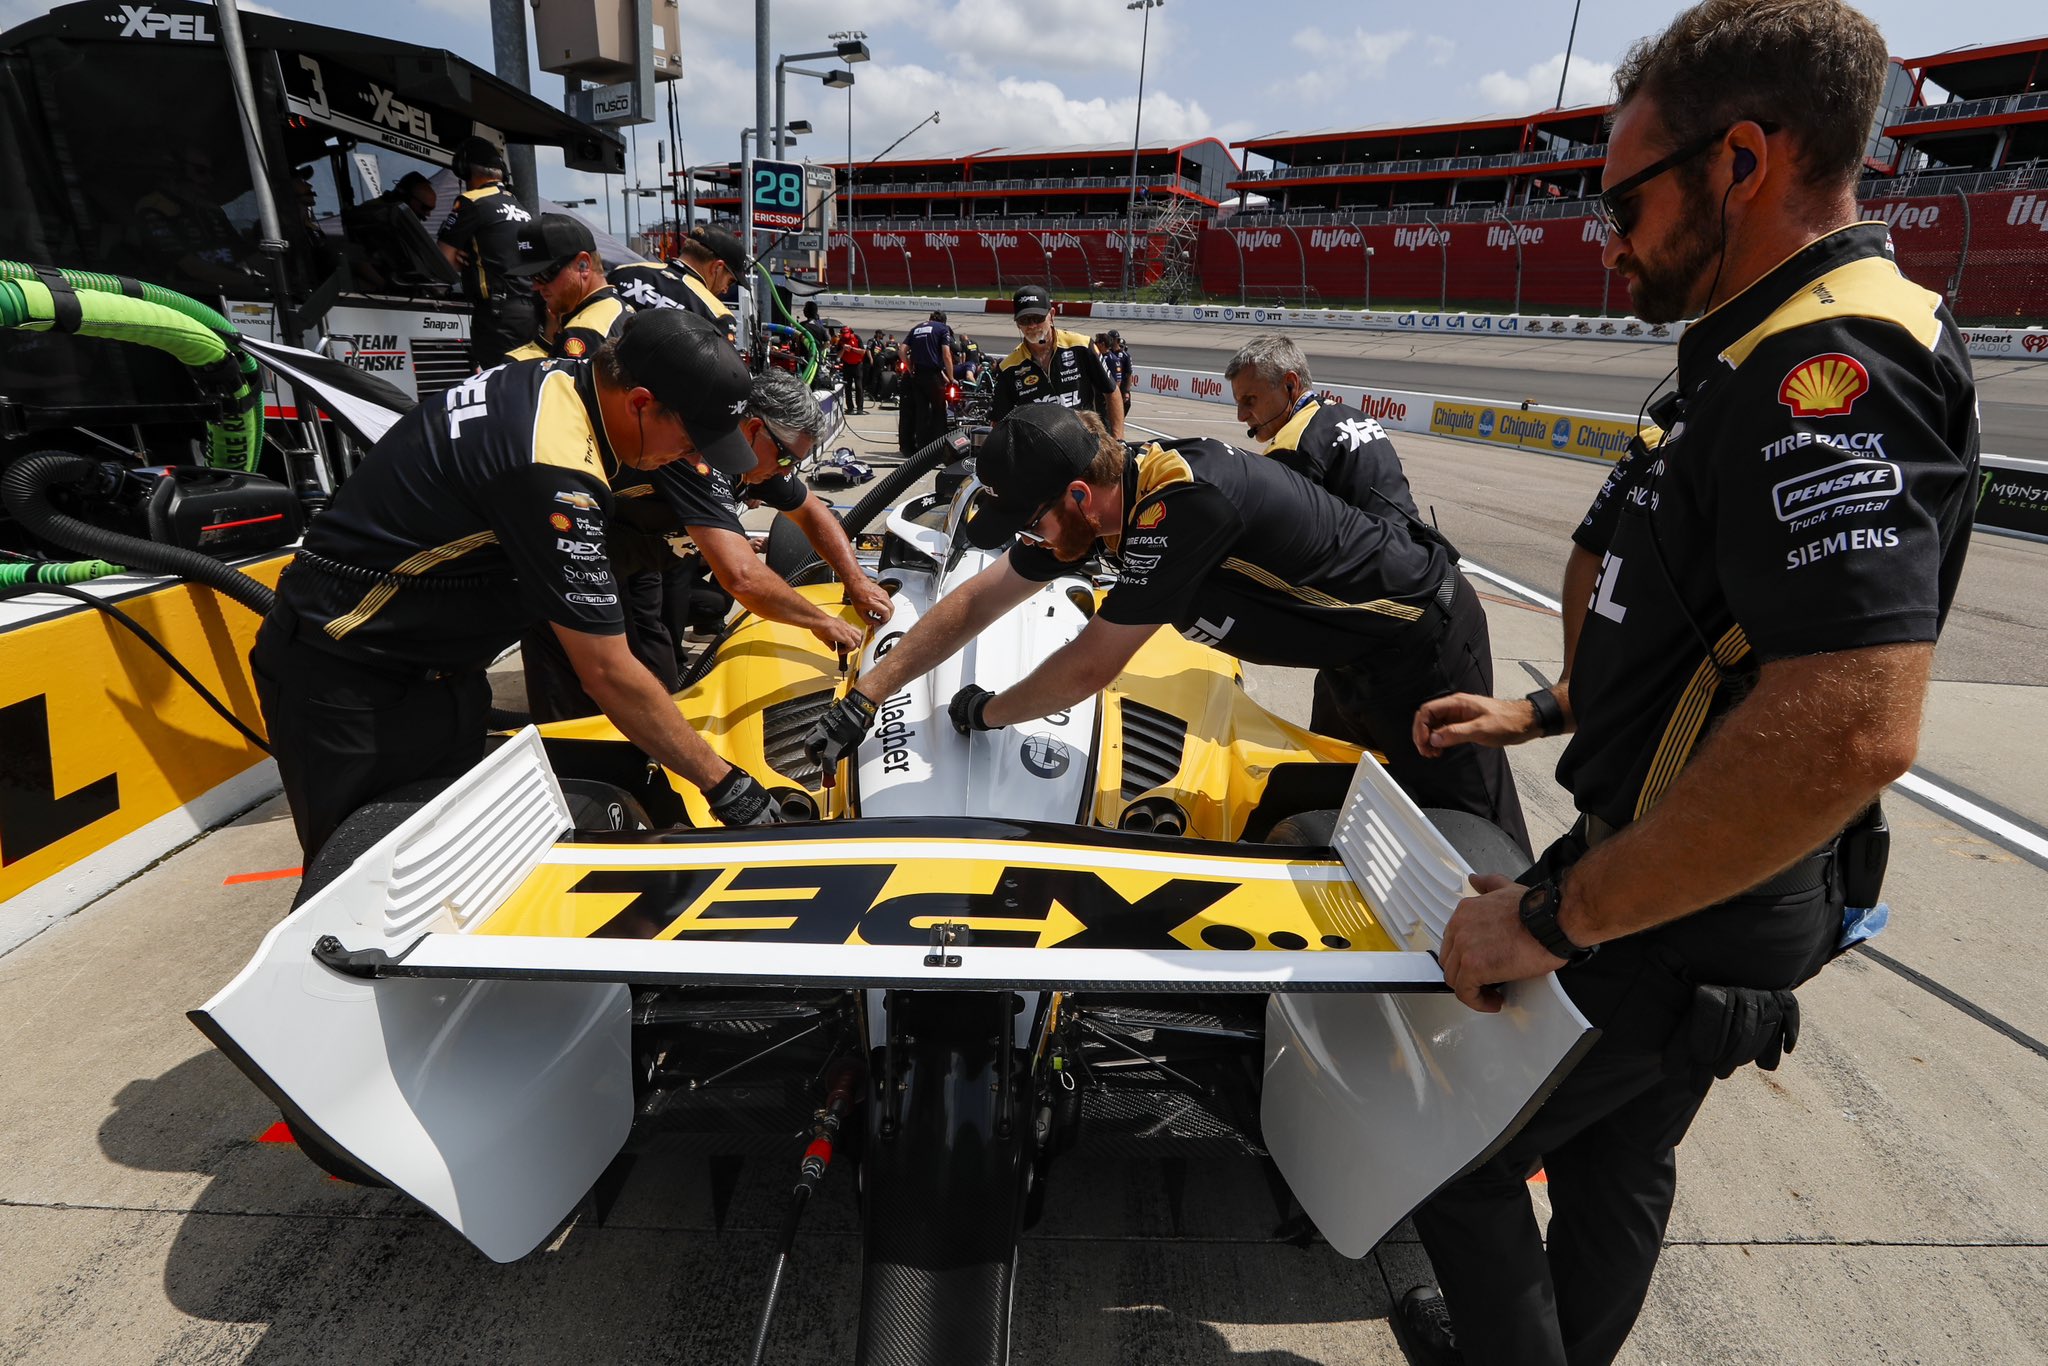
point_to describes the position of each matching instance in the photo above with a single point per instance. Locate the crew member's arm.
(457, 238)
(764, 592)
(639, 706)
(1467, 718)
(955, 619)
(1113, 413)
(829, 539)
(1079, 669)
(1815, 743)
(1108, 396)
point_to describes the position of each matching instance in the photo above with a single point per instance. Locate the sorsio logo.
(1561, 434)
(1257, 238)
(1329, 239)
(1486, 424)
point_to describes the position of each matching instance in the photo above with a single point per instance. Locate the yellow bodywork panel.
(1104, 892)
(1231, 747)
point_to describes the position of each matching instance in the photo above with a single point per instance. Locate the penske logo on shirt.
(1849, 481)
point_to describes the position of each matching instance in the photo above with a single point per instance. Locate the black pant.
(501, 324)
(850, 390)
(920, 412)
(1605, 1138)
(344, 732)
(1373, 702)
(553, 690)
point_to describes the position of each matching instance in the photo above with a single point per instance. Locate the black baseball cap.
(550, 242)
(478, 151)
(1027, 461)
(722, 245)
(1031, 299)
(689, 366)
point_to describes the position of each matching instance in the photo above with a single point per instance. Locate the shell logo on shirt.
(1151, 516)
(1824, 386)
(558, 521)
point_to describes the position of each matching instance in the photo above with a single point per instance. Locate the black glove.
(736, 799)
(837, 733)
(967, 709)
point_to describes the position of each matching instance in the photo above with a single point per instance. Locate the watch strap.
(1549, 711)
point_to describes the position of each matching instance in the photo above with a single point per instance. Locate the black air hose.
(24, 490)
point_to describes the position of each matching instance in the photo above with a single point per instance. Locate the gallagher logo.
(1825, 386)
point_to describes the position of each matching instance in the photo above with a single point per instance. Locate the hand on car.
(840, 635)
(838, 733)
(737, 800)
(868, 598)
(1486, 945)
(969, 708)
(1468, 718)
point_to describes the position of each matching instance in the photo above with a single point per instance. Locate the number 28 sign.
(778, 192)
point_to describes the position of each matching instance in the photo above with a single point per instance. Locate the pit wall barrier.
(2005, 343)
(2012, 494)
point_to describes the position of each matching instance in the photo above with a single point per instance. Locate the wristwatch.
(1549, 712)
(1539, 918)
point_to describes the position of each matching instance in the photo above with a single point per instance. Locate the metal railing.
(1473, 212)
(1500, 161)
(1970, 109)
(2025, 175)
(1105, 183)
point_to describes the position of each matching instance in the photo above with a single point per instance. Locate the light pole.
(852, 35)
(850, 50)
(1137, 125)
(1368, 278)
(747, 221)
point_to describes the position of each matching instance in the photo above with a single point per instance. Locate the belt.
(299, 631)
(1809, 874)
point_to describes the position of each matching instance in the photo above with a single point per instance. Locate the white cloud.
(1061, 35)
(1441, 50)
(1359, 53)
(1589, 82)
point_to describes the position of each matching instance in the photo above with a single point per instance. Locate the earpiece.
(1745, 164)
(1077, 495)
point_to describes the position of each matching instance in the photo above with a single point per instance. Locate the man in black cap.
(558, 256)
(1054, 366)
(484, 508)
(1233, 550)
(480, 239)
(708, 264)
(921, 407)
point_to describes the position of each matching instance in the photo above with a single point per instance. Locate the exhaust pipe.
(1155, 814)
(797, 804)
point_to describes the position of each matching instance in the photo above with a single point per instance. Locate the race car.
(1165, 916)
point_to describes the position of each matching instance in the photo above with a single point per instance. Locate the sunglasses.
(1617, 203)
(1029, 531)
(784, 457)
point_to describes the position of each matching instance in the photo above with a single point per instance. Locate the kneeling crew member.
(484, 508)
(1052, 366)
(1229, 548)
(1333, 444)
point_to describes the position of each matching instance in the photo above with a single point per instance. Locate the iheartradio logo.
(2034, 341)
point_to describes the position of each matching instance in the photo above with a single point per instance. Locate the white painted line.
(1505, 582)
(1969, 813)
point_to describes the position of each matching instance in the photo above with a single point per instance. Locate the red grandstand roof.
(1957, 55)
(1384, 130)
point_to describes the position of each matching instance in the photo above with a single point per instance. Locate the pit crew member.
(1749, 669)
(708, 264)
(480, 239)
(1231, 549)
(1054, 366)
(483, 508)
(921, 406)
(557, 255)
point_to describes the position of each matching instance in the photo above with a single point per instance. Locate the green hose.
(232, 444)
(78, 571)
(810, 342)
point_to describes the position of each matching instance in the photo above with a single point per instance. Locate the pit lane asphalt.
(1883, 1196)
(1612, 377)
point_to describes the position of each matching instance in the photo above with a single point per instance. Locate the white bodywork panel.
(494, 1104)
(915, 764)
(1372, 1102)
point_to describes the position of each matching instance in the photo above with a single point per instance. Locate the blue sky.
(1037, 72)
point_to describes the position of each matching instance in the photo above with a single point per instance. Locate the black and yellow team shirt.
(485, 224)
(597, 318)
(1074, 377)
(1348, 453)
(1239, 552)
(650, 284)
(1814, 495)
(483, 510)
